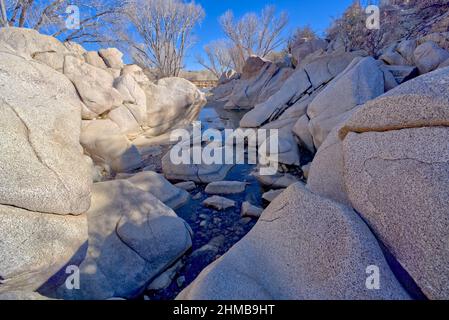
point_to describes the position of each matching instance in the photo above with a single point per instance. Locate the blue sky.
(316, 13)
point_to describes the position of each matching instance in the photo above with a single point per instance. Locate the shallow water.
(223, 228)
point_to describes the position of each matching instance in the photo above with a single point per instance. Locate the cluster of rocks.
(377, 189)
(120, 107)
(70, 118)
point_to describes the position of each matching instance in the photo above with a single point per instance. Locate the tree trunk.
(3, 17)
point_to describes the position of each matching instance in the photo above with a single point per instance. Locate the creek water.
(214, 232)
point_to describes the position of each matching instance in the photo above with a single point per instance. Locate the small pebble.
(180, 281)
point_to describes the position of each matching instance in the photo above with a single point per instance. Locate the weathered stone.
(136, 72)
(219, 203)
(389, 80)
(361, 81)
(276, 181)
(252, 67)
(308, 47)
(112, 57)
(202, 173)
(392, 57)
(125, 120)
(171, 103)
(164, 280)
(272, 194)
(103, 142)
(159, 187)
(34, 246)
(93, 84)
(295, 86)
(423, 101)
(93, 58)
(251, 211)
(31, 44)
(306, 170)
(304, 247)
(327, 169)
(429, 55)
(286, 151)
(42, 167)
(406, 49)
(133, 237)
(399, 182)
(247, 93)
(225, 187)
(403, 73)
(187, 185)
(301, 130)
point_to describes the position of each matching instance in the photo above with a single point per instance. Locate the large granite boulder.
(93, 58)
(303, 50)
(171, 103)
(134, 97)
(112, 57)
(34, 246)
(293, 89)
(327, 169)
(104, 142)
(31, 44)
(46, 179)
(42, 166)
(304, 247)
(159, 187)
(399, 182)
(200, 173)
(299, 85)
(420, 102)
(257, 88)
(287, 151)
(133, 237)
(428, 56)
(396, 160)
(361, 81)
(94, 85)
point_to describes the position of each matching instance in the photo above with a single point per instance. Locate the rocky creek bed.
(214, 231)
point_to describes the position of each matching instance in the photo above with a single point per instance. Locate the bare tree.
(254, 34)
(218, 58)
(163, 33)
(69, 20)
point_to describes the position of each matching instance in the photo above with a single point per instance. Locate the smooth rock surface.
(133, 237)
(42, 167)
(429, 55)
(225, 187)
(423, 101)
(34, 246)
(93, 84)
(159, 187)
(250, 210)
(361, 81)
(304, 247)
(399, 182)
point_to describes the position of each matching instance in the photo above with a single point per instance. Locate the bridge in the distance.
(205, 83)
